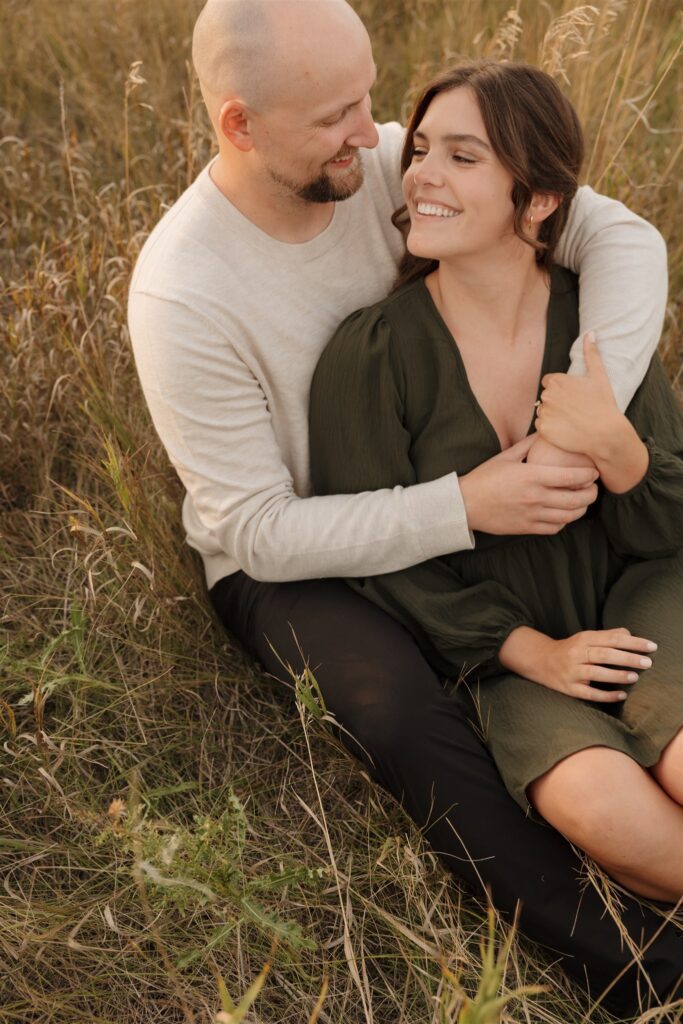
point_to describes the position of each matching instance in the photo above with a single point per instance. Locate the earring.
(530, 223)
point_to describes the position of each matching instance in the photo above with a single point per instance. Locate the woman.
(554, 635)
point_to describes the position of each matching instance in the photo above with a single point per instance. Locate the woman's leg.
(609, 806)
(417, 743)
(648, 600)
(669, 769)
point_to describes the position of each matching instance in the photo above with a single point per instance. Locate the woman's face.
(457, 190)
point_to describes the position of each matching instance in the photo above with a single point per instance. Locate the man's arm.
(621, 261)
(212, 416)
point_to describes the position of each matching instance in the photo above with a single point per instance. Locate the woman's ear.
(542, 205)
(234, 125)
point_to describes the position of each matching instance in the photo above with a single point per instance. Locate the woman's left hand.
(577, 413)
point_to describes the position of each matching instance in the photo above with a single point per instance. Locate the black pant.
(414, 737)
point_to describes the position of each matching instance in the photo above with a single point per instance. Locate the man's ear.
(543, 204)
(234, 125)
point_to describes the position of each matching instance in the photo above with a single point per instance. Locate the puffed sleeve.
(359, 441)
(647, 521)
(357, 438)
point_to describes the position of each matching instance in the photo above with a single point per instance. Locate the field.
(176, 834)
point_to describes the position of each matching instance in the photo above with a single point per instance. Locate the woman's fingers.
(585, 692)
(600, 674)
(615, 656)
(618, 638)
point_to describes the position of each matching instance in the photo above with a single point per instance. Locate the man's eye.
(332, 121)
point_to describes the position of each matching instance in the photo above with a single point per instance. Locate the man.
(233, 298)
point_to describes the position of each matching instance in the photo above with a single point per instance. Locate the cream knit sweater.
(227, 326)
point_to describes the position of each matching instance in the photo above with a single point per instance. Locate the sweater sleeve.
(647, 521)
(621, 262)
(358, 441)
(211, 413)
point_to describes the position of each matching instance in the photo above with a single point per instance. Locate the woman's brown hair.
(533, 130)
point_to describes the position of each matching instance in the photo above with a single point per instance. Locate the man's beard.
(323, 189)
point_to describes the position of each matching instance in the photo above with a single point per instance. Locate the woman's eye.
(461, 159)
(417, 152)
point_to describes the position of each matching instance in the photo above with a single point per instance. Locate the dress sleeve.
(647, 521)
(357, 438)
(457, 627)
(359, 441)
(621, 262)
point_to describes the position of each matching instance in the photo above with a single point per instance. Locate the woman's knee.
(669, 769)
(577, 794)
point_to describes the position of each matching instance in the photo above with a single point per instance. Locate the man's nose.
(363, 132)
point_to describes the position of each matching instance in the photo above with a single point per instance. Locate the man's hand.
(505, 495)
(570, 665)
(580, 414)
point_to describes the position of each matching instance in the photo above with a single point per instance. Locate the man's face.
(309, 144)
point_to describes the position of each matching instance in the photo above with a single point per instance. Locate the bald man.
(234, 296)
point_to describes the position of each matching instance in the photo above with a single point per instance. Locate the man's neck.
(284, 218)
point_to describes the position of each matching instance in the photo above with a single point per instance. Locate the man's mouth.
(343, 161)
(435, 210)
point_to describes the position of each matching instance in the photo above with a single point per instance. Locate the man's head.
(286, 84)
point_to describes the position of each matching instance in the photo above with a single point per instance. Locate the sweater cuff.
(439, 516)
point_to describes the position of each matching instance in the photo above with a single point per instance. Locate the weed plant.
(181, 839)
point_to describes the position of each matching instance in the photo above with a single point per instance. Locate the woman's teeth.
(432, 210)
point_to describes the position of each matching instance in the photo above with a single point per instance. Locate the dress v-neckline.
(453, 346)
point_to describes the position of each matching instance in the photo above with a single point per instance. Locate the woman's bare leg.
(669, 769)
(609, 806)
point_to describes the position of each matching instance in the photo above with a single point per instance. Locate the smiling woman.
(520, 132)
(551, 631)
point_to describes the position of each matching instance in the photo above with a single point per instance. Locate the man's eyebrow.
(456, 137)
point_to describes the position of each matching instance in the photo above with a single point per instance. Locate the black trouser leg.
(416, 740)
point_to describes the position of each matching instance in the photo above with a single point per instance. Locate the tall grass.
(175, 839)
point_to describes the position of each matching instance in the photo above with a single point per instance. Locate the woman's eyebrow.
(456, 137)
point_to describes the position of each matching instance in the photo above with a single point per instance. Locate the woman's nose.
(427, 171)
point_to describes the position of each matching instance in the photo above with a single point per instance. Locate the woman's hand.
(580, 414)
(600, 655)
(575, 412)
(543, 453)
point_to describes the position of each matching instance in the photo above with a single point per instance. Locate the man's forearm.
(622, 267)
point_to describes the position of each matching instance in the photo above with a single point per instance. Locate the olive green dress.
(391, 404)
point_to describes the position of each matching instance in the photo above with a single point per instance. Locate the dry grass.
(166, 819)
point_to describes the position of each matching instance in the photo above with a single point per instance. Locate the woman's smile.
(430, 210)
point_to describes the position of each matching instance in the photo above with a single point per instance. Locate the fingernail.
(633, 677)
(622, 696)
(646, 662)
(651, 646)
